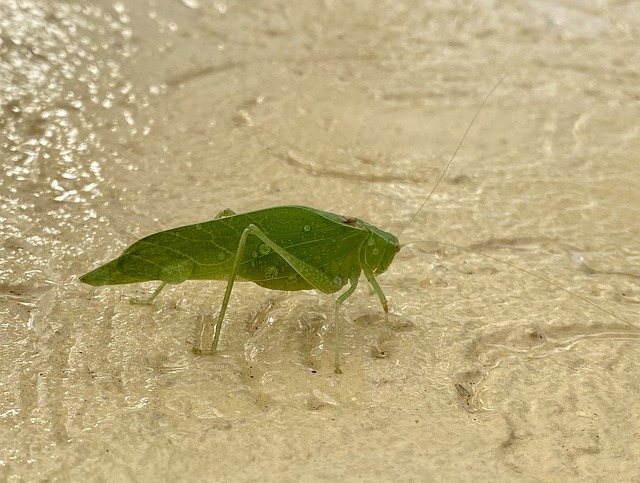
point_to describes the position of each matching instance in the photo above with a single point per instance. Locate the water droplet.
(337, 282)
(222, 256)
(307, 228)
(254, 254)
(265, 249)
(371, 242)
(375, 251)
(271, 272)
(252, 263)
(292, 278)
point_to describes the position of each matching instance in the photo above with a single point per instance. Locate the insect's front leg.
(376, 288)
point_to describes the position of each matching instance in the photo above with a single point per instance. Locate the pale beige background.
(124, 118)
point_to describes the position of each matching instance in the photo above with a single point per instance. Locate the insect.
(281, 248)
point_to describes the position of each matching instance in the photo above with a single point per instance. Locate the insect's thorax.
(379, 249)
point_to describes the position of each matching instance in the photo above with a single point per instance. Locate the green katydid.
(281, 248)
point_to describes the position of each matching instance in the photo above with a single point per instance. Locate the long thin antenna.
(469, 250)
(529, 272)
(444, 171)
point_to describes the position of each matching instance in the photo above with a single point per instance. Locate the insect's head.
(379, 250)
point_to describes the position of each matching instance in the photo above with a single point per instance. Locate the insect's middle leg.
(353, 283)
(151, 298)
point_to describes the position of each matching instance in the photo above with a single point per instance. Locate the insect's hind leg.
(317, 278)
(321, 280)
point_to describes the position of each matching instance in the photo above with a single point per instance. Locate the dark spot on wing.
(347, 220)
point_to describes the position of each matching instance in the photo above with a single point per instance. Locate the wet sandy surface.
(120, 120)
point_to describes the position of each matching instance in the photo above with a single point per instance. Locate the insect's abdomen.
(171, 256)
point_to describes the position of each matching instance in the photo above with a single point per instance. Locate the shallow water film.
(121, 119)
